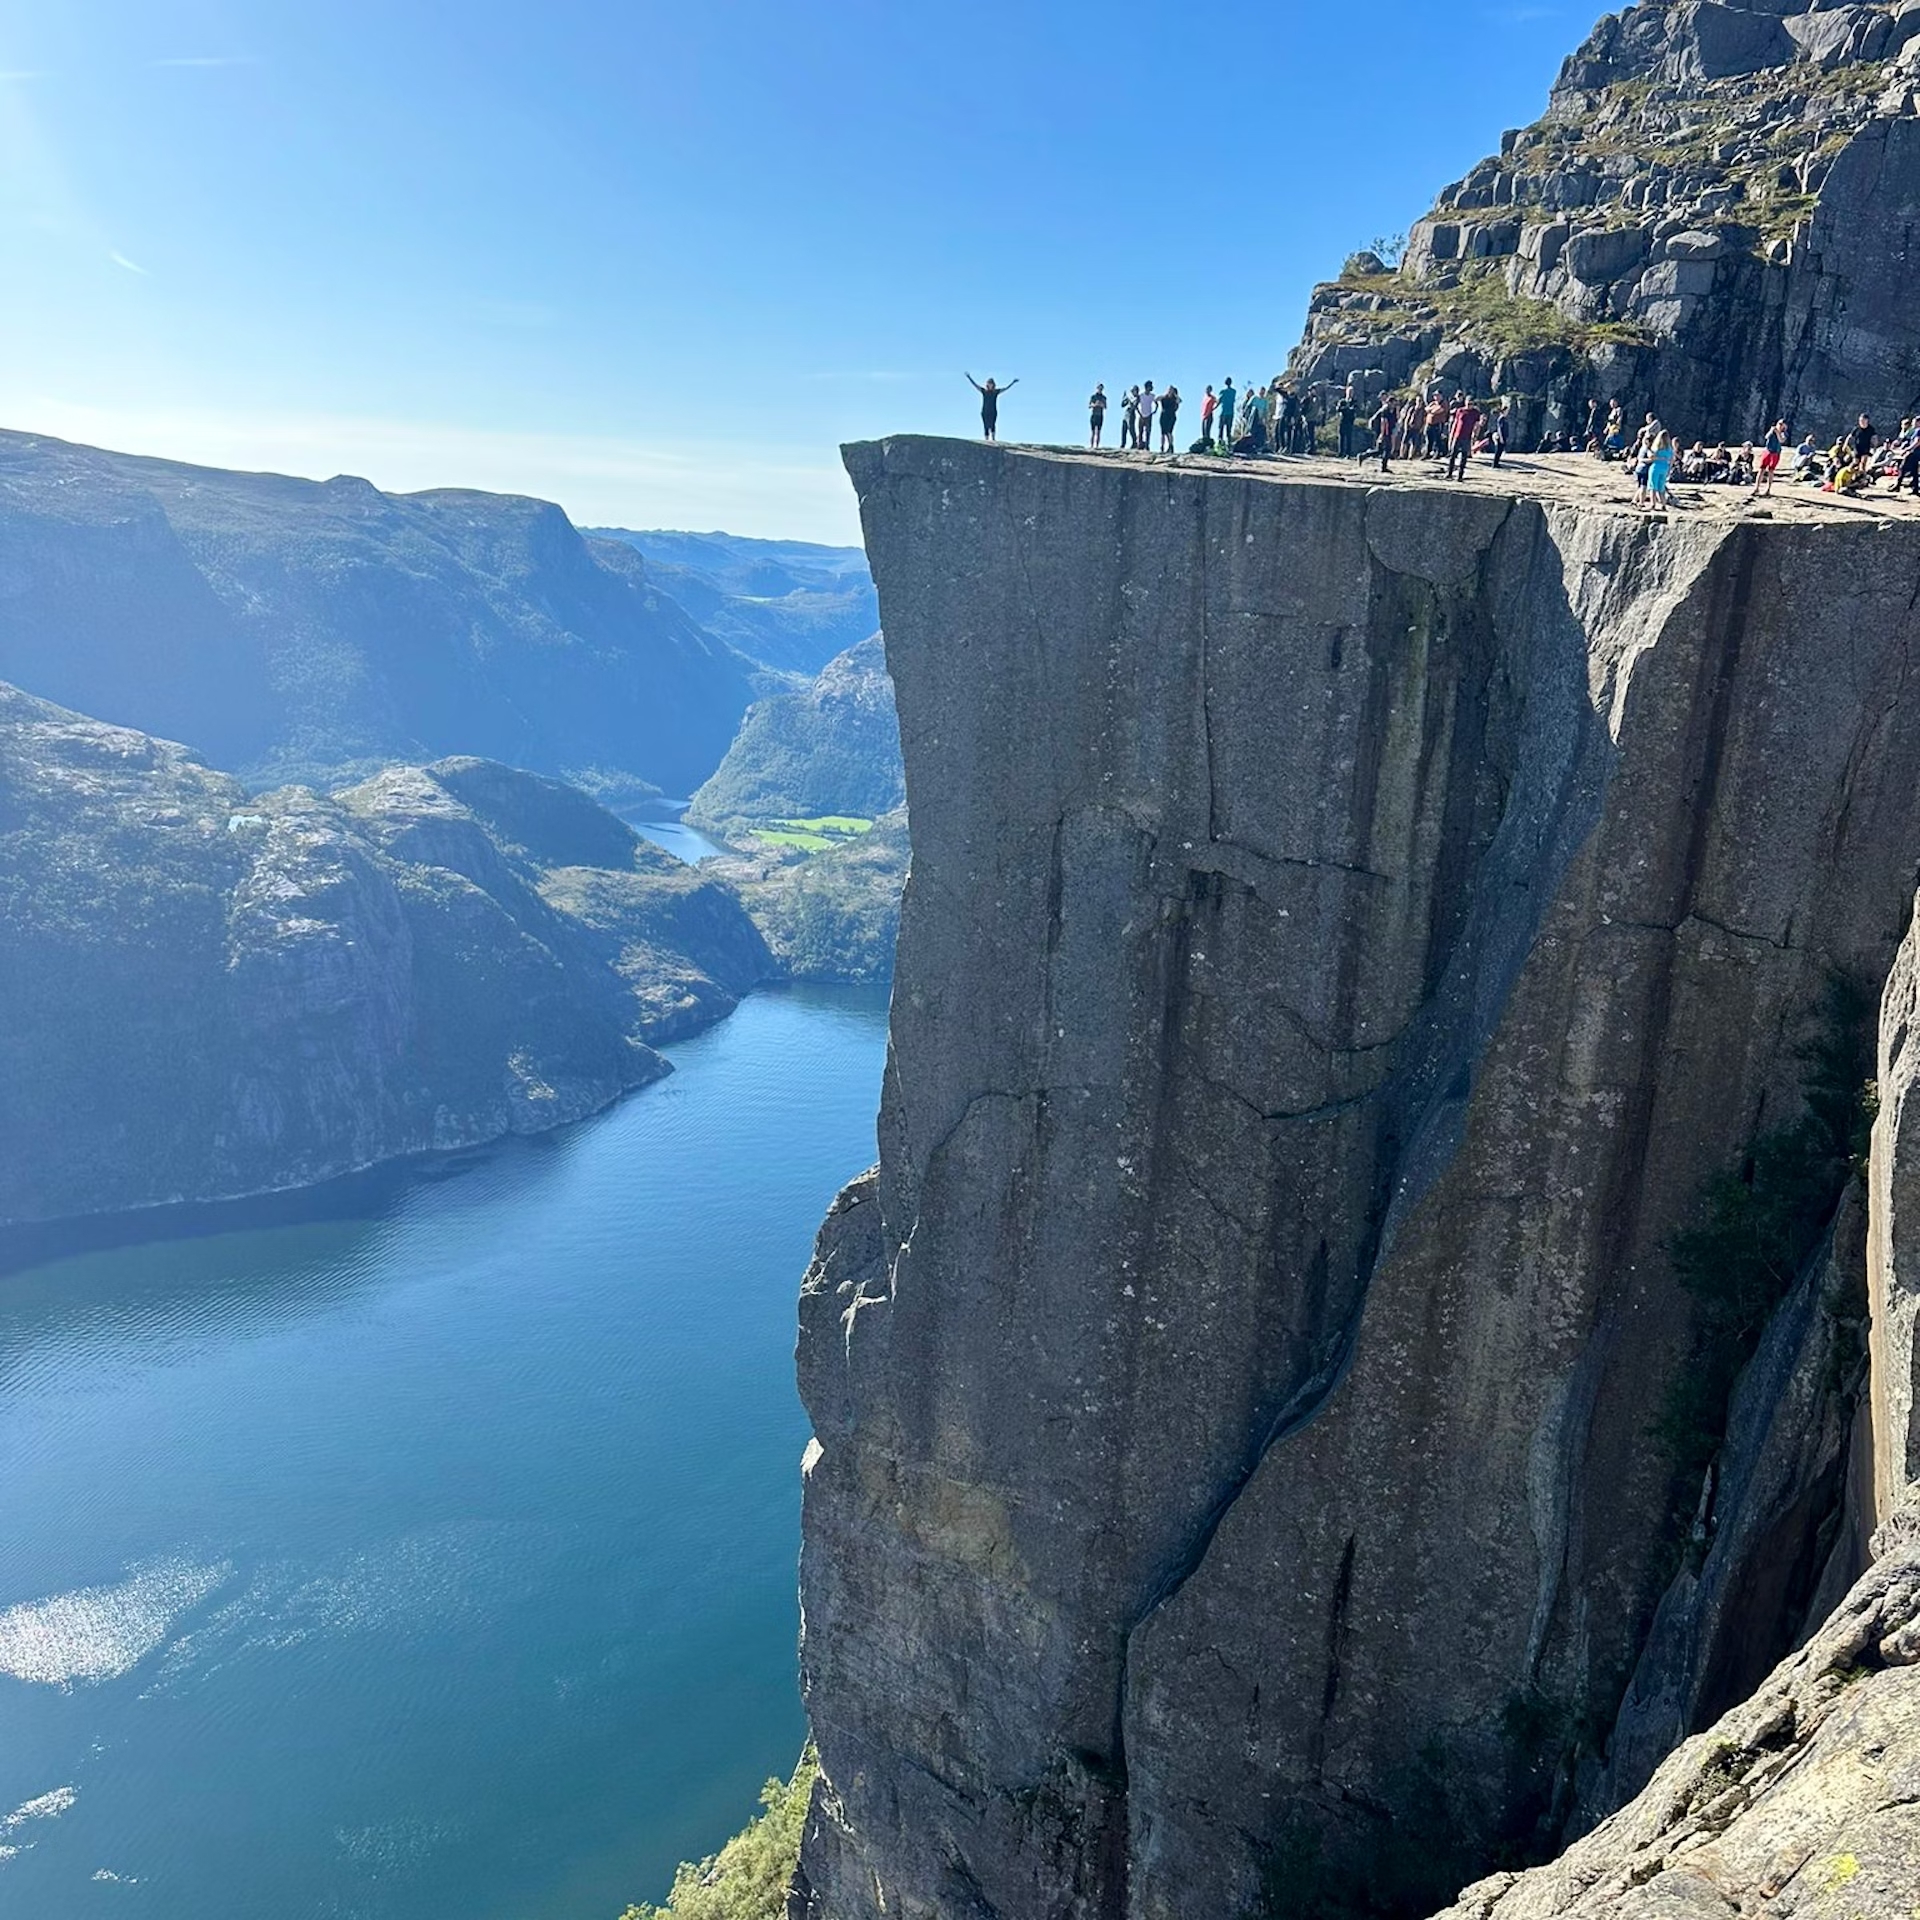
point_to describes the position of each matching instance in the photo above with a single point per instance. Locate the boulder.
(1842, 36)
(1706, 41)
(1603, 254)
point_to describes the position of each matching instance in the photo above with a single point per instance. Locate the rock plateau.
(1294, 1429)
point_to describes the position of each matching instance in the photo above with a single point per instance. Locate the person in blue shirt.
(1659, 468)
(1223, 414)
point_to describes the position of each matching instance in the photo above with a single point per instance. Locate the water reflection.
(423, 1546)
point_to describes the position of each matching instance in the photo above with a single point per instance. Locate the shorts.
(1769, 463)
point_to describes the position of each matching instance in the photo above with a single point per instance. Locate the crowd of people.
(1855, 462)
(1275, 418)
(1281, 417)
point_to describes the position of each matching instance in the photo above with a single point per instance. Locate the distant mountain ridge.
(787, 604)
(299, 628)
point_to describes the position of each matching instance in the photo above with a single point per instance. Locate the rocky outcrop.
(293, 629)
(1803, 1801)
(1347, 930)
(831, 747)
(211, 993)
(1708, 221)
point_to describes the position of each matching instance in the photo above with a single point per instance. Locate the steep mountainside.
(784, 603)
(1354, 1343)
(211, 994)
(831, 915)
(1712, 219)
(292, 629)
(832, 747)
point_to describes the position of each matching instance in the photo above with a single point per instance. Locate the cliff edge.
(1269, 1457)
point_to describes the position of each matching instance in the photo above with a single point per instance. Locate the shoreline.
(373, 1183)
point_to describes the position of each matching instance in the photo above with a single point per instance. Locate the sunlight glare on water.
(425, 1547)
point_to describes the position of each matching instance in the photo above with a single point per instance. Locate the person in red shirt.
(1466, 423)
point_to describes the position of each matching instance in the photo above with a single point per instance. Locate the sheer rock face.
(1344, 929)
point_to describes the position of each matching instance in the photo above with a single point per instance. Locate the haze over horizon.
(657, 263)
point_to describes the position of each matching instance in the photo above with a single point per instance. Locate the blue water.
(424, 1549)
(663, 825)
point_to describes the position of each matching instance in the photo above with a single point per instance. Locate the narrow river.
(423, 1549)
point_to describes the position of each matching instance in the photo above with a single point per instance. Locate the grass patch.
(812, 836)
(748, 1878)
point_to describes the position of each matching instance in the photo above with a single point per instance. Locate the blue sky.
(657, 260)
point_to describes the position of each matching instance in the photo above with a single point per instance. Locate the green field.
(815, 835)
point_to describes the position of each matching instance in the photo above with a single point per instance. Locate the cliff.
(1352, 1346)
(1708, 221)
(211, 993)
(294, 629)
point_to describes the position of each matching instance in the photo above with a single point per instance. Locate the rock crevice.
(1235, 1466)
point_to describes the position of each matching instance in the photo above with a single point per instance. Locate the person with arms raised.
(990, 404)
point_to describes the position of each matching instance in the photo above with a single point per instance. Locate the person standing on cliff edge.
(1096, 414)
(990, 404)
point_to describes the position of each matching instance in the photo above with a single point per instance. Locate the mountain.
(1384, 1305)
(1705, 222)
(783, 603)
(294, 628)
(212, 993)
(833, 914)
(831, 747)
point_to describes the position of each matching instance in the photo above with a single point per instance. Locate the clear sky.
(655, 259)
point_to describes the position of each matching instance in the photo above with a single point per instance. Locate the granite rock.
(1345, 930)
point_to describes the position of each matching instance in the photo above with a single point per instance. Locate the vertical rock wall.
(1344, 930)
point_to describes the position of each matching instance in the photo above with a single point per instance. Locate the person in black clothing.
(990, 404)
(1169, 413)
(1384, 423)
(1862, 440)
(1096, 413)
(1345, 412)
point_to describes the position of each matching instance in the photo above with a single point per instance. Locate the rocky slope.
(212, 993)
(1353, 1344)
(831, 747)
(1803, 1801)
(831, 915)
(292, 629)
(1709, 220)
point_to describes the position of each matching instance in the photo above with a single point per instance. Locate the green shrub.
(747, 1879)
(1758, 1224)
